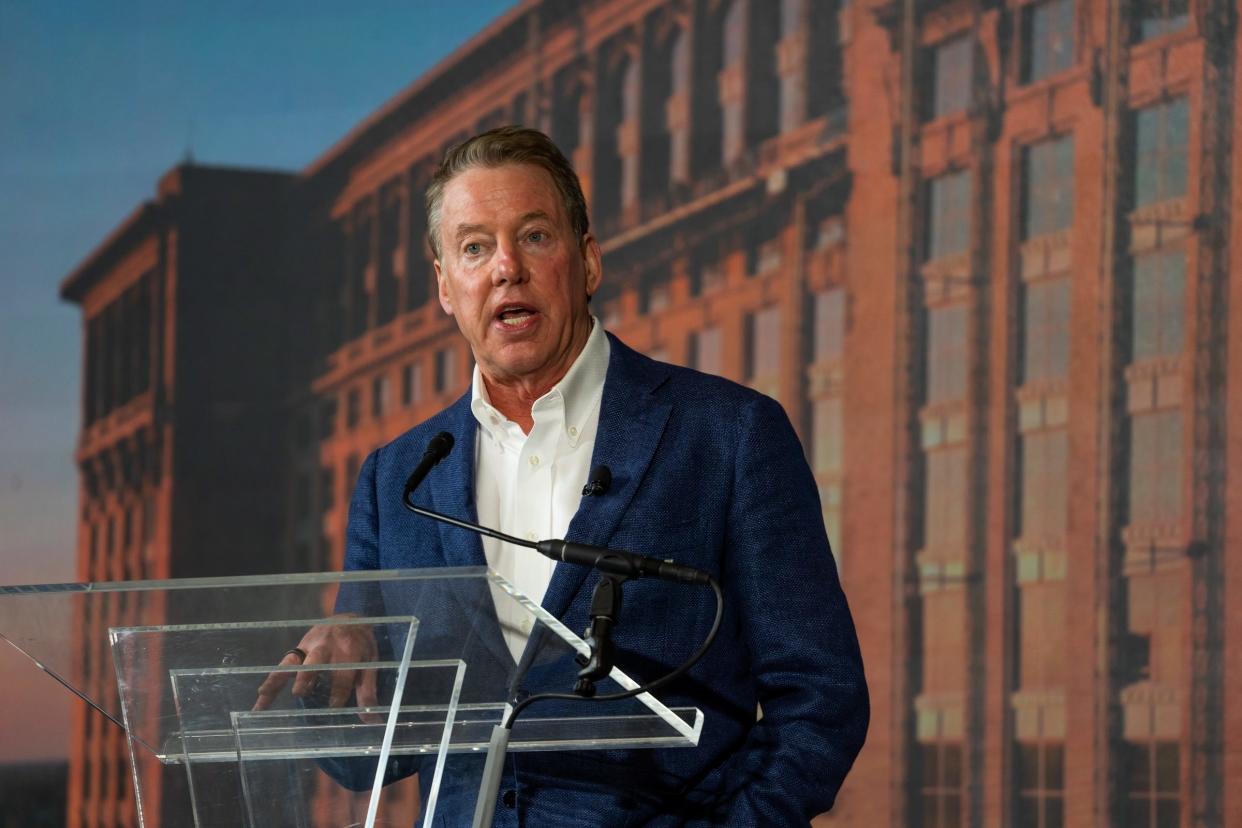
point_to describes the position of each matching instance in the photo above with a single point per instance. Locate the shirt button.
(531, 536)
(534, 459)
(509, 798)
(573, 432)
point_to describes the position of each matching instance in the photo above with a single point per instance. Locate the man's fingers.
(323, 645)
(274, 683)
(304, 684)
(367, 693)
(368, 696)
(342, 684)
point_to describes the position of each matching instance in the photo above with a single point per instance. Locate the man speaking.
(702, 470)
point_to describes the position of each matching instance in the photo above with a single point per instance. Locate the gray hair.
(496, 148)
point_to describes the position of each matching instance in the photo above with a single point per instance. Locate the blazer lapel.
(454, 493)
(631, 422)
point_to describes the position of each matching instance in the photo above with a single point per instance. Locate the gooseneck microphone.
(437, 450)
(610, 561)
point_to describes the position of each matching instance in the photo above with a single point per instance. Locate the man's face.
(513, 274)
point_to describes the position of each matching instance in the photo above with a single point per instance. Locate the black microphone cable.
(677, 673)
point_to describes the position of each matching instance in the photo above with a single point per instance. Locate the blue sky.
(97, 101)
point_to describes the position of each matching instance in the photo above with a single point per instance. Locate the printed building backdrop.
(982, 251)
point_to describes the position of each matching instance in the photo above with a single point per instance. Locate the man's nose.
(508, 264)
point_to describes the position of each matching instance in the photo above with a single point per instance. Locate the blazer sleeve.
(804, 652)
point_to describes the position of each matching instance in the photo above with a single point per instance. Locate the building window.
(1161, 146)
(944, 519)
(351, 477)
(326, 489)
(829, 340)
(1045, 330)
(446, 369)
(353, 408)
(734, 127)
(302, 430)
(1151, 788)
(946, 353)
(681, 66)
(793, 21)
(92, 561)
(148, 520)
(386, 284)
(412, 384)
(655, 294)
(379, 396)
(1158, 305)
(631, 103)
(1048, 187)
(92, 380)
(707, 277)
(1156, 468)
(302, 497)
(951, 76)
(763, 341)
(705, 348)
(769, 257)
(830, 233)
(1153, 18)
(940, 785)
(948, 214)
(360, 251)
(327, 418)
(1043, 511)
(1041, 785)
(827, 436)
(1048, 46)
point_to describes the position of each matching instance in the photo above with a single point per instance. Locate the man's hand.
(327, 644)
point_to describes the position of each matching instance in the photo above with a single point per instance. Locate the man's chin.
(518, 362)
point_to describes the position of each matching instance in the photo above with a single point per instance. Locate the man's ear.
(592, 261)
(446, 301)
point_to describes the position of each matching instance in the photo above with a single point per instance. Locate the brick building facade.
(982, 252)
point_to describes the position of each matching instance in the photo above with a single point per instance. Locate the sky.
(97, 100)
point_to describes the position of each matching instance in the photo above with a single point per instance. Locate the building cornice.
(144, 220)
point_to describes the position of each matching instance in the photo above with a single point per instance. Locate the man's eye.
(537, 236)
(472, 249)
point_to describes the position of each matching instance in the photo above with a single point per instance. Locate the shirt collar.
(578, 391)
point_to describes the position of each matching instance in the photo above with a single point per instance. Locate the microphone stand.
(605, 612)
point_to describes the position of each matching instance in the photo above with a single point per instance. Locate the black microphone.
(599, 483)
(616, 562)
(437, 450)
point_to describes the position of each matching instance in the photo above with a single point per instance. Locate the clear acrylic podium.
(177, 664)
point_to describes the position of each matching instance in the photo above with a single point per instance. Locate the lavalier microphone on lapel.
(598, 483)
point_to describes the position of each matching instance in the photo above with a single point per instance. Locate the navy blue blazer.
(711, 474)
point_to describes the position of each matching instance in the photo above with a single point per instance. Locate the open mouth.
(515, 316)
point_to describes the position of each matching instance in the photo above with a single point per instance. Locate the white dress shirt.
(529, 485)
